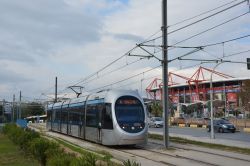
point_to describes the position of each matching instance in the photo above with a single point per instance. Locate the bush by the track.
(50, 153)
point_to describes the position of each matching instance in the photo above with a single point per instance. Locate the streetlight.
(211, 99)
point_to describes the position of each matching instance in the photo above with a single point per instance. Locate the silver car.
(156, 122)
(222, 126)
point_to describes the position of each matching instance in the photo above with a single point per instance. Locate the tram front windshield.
(129, 109)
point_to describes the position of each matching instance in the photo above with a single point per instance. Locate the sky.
(72, 39)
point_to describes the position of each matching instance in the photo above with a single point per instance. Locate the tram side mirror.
(248, 63)
(99, 125)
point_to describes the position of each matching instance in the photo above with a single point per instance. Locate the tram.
(110, 117)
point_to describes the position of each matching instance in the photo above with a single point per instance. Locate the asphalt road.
(201, 132)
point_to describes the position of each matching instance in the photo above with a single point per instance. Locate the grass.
(202, 144)
(99, 154)
(71, 146)
(11, 155)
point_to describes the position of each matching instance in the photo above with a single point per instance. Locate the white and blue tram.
(111, 117)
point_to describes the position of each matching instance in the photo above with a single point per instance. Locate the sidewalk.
(219, 141)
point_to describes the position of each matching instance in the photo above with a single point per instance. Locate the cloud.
(72, 39)
(29, 30)
(8, 77)
(131, 37)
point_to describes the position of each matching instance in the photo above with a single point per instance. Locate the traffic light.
(248, 63)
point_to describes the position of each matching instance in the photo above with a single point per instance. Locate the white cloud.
(73, 38)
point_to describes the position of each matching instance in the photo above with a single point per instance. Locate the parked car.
(156, 122)
(222, 126)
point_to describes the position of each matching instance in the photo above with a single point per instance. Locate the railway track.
(166, 158)
(226, 157)
(154, 154)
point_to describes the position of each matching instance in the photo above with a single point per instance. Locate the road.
(201, 132)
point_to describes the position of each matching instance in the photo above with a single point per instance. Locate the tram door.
(99, 123)
(93, 127)
(69, 123)
(81, 122)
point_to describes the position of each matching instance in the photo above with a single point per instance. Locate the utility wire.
(187, 19)
(148, 78)
(125, 79)
(238, 38)
(211, 54)
(96, 73)
(213, 60)
(205, 32)
(209, 29)
(188, 25)
(103, 68)
(139, 75)
(213, 44)
(191, 52)
(117, 69)
(197, 21)
(236, 53)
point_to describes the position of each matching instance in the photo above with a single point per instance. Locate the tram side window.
(49, 114)
(107, 117)
(58, 114)
(92, 116)
(75, 115)
(64, 116)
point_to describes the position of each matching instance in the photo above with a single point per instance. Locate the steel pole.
(20, 108)
(165, 72)
(55, 90)
(211, 101)
(225, 100)
(13, 109)
(3, 110)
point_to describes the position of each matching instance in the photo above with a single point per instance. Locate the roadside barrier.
(240, 124)
(193, 126)
(246, 130)
(204, 126)
(182, 125)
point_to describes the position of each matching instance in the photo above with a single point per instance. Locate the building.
(196, 89)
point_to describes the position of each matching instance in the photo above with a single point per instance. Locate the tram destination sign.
(128, 101)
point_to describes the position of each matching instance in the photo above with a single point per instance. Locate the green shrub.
(88, 159)
(49, 153)
(62, 159)
(41, 149)
(107, 156)
(130, 163)
(19, 136)
(26, 138)
(13, 132)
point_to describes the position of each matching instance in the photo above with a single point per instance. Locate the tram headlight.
(124, 126)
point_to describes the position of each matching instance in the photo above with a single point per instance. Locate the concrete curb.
(246, 130)
(218, 141)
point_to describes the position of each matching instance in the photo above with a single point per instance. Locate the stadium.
(194, 92)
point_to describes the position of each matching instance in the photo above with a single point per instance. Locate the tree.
(244, 95)
(156, 109)
(32, 109)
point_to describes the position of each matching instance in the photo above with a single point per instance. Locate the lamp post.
(211, 100)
